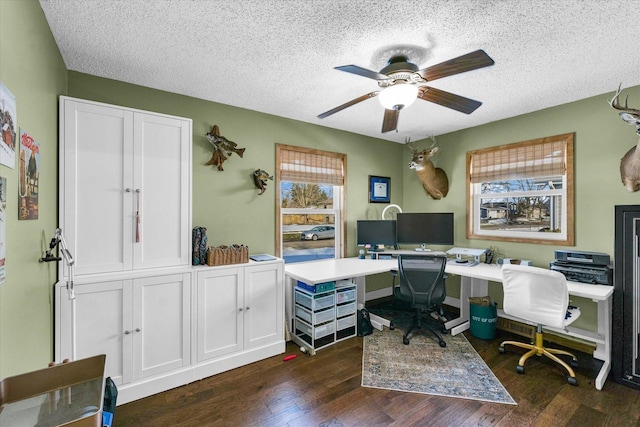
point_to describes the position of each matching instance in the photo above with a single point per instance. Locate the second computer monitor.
(425, 228)
(376, 232)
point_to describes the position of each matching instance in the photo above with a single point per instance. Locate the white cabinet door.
(162, 192)
(161, 324)
(125, 190)
(143, 325)
(239, 308)
(96, 165)
(103, 313)
(220, 312)
(264, 305)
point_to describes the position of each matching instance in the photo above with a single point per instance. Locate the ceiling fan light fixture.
(400, 95)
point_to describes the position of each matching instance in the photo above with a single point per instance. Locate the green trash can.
(483, 313)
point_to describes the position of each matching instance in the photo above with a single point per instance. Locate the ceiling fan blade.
(390, 121)
(347, 104)
(354, 69)
(461, 64)
(449, 100)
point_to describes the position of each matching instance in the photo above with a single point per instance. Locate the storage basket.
(224, 255)
(483, 315)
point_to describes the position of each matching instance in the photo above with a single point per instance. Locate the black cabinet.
(625, 361)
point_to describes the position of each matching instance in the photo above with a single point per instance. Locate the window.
(522, 192)
(310, 203)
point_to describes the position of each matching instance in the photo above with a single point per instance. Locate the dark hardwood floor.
(324, 390)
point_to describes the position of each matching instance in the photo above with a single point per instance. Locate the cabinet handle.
(137, 215)
(138, 329)
(127, 332)
(240, 309)
(128, 190)
(247, 308)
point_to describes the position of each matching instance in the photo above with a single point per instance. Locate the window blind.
(311, 166)
(537, 159)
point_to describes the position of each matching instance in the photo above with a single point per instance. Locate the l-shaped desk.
(473, 282)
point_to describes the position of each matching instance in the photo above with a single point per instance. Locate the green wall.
(601, 140)
(227, 202)
(32, 69)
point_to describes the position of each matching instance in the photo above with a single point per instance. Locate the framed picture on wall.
(8, 127)
(379, 189)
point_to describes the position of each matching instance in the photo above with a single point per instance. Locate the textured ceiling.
(278, 56)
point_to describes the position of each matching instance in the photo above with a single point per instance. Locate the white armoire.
(125, 187)
(125, 214)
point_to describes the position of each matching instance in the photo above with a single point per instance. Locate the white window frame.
(534, 235)
(336, 211)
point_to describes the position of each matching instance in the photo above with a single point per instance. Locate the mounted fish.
(260, 178)
(221, 146)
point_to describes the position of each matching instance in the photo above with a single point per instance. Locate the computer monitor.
(376, 232)
(425, 228)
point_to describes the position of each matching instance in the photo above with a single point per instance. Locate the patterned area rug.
(456, 370)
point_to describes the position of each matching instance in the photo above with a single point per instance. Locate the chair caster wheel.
(573, 363)
(442, 343)
(572, 380)
(405, 341)
(392, 326)
(520, 369)
(501, 350)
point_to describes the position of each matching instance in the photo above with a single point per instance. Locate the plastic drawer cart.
(314, 321)
(323, 318)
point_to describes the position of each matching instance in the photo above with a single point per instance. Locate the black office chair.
(422, 285)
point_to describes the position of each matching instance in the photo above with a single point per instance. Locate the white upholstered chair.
(540, 296)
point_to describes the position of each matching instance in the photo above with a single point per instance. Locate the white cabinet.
(220, 313)
(143, 325)
(264, 305)
(239, 308)
(125, 213)
(125, 187)
(161, 325)
(102, 313)
(163, 330)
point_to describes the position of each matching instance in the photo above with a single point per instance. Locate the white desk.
(473, 282)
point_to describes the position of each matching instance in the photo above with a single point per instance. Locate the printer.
(584, 267)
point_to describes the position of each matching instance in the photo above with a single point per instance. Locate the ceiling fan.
(402, 83)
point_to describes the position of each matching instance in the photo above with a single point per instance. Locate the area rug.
(456, 370)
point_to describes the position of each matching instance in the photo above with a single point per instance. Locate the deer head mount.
(630, 163)
(434, 180)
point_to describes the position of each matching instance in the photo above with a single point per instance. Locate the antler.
(615, 104)
(414, 148)
(408, 143)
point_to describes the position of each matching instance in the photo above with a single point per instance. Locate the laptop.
(262, 257)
